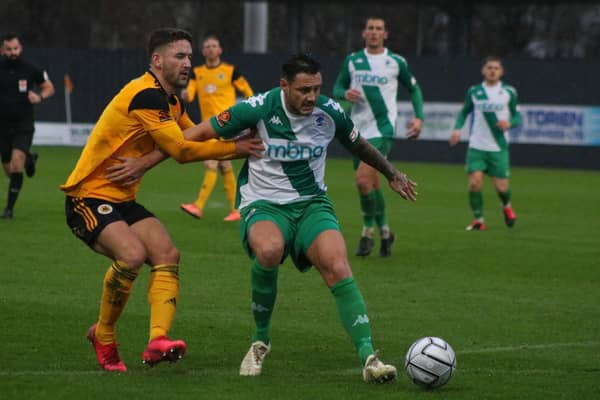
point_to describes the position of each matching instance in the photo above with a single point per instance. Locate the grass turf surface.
(520, 306)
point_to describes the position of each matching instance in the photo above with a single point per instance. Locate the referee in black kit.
(21, 86)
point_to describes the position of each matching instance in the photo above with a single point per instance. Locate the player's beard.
(176, 79)
(13, 58)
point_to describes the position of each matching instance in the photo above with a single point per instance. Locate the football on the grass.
(430, 362)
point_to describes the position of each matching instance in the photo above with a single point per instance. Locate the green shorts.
(493, 163)
(300, 223)
(384, 145)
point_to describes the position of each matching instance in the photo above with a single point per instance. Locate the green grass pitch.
(520, 306)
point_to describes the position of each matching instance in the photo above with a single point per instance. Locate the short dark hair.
(375, 17)
(491, 58)
(299, 63)
(10, 36)
(211, 36)
(163, 36)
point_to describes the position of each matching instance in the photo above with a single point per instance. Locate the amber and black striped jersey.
(216, 88)
(141, 117)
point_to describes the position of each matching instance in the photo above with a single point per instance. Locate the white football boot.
(376, 371)
(252, 362)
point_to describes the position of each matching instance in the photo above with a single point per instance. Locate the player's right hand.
(352, 95)
(404, 186)
(455, 137)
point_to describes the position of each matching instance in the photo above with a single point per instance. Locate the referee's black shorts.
(14, 136)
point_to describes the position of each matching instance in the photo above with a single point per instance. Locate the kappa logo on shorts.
(104, 209)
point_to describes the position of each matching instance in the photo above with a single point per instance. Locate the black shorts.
(14, 136)
(87, 217)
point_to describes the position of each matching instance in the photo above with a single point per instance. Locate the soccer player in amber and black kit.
(145, 119)
(22, 85)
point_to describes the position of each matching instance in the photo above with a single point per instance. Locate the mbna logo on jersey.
(293, 151)
(366, 78)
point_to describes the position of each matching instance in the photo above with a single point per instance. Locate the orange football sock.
(117, 288)
(208, 185)
(163, 292)
(230, 185)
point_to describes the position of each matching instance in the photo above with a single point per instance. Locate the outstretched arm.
(130, 170)
(398, 181)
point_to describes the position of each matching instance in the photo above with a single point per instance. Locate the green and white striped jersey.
(489, 104)
(377, 77)
(293, 164)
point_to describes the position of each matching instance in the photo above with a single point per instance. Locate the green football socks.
(367, 206)
(505, 197)
(380, 217)
(353, 313)
(264, 293)
(476, 203)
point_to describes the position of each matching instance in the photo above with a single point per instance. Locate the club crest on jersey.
(223, 118)
(319, 120)
(210, 88)
(22, 85)
(164, 116)
(105, 209)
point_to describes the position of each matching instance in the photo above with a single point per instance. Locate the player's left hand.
(414, 128)
(129, 171)
(401, 184)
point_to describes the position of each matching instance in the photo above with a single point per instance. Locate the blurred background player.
(22, 85)
(143, 121)
(215, 84)
(494, 105)
(370, 79)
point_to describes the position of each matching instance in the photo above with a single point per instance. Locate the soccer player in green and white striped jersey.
(284, 204)
(370, 79)
(494, 106)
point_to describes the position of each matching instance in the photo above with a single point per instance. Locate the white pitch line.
(527, 347)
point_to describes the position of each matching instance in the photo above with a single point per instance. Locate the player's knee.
(335, 272)
(172, 255)
(269, 255)
(225, 166)
(363, 185)
(211, 164)
(475, 184)
(134, 259)
(166, 255)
